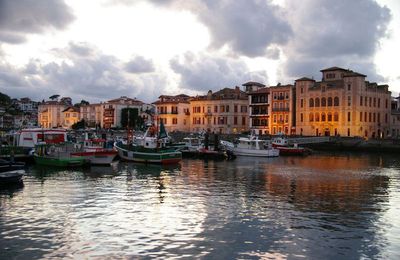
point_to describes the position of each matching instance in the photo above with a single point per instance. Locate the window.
(336, 117)
(348, 87)
(323, 117)
(361, 100)
(370, 102)
(243, 109)
(222, 109)
(215, 109)
(336, 101)
(311, 117)
(329, 101)
(274, 118)
(174, 121)
(235, 108)
(386, 103)
(311, 102)
(301, 103)
(361, 115)
(329, 117)
(316, 117)
(323, 102)
(348, 116)
(349, 100)
(235, 120)
(243, 120)
(301, 90)
(287, 119)
(317, 102)
(374, 102)
(369, 117)
(301, 117)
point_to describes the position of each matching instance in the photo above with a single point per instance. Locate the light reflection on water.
(321, 206)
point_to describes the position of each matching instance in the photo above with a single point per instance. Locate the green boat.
(57, 155)
(151, 148)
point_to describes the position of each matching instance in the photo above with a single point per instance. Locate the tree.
(130, 122)
(5, 100)
(54, 97)
(79, 125)
(82, 103)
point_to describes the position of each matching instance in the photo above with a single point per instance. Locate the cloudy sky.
(102, 49)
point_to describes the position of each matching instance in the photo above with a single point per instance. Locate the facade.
(259, 110)
(70, 117)
(342, 103)
(91, 114)
(225, 111)
(174, 112)
(111, 110)
(282, 121)
(395, 118)
(50, 114)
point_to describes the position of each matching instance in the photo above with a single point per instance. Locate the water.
(325, 206)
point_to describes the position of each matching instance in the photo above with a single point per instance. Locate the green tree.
(5, 100)
(79, 125)
(54, 97)
(130, 122)
(82, 103)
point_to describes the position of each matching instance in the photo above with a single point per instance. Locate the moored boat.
(11, 177)
(282, 144)
(10, 166)
(57, 156)
(251, 146)
(151, 148)
(94, 151)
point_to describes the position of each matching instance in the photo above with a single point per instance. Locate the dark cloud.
(203, 72)
(139, 65)
(81, 49)
(18, 18)
(97, 77)
(340, 33)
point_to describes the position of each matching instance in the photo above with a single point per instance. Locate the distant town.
(342, 103)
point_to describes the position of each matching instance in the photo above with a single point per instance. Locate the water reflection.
(321, 206)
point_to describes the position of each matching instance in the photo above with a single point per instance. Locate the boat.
(251, 146)
(94, 151)
(20, 144)
(57, 155)
(284, 147)
(150, 148)
(6, 165)
(11, 177)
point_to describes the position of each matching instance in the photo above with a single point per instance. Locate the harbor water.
(323, 206)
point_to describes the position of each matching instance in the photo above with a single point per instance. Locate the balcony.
(207, 114)
(280, 109)
(259, 114)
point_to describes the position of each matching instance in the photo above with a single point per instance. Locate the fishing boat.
(57, 155)
(282, 144)
(150, 148)
(251, 146)
(94, 151)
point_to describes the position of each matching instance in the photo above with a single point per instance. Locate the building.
(342, 103)
(259, 109)
(225, 111)
(174, 112)
(30, 111)
(50, 114)
(395, 118)
(91, 114)
(70, 116)
(282, 121)
(111, 110)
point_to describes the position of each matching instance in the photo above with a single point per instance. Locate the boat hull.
(11, 177)
(97, 157)
(256, 153)
(161, 156)
(60, 161)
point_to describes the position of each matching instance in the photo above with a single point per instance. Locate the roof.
(350, 73)
(260, 91)
(71, 109)
(253, 83)
(332, 69)
(225, 93)
(125, 100)
(304, 79)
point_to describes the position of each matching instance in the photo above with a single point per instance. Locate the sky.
(97, 50)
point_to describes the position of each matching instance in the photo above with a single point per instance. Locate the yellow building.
(342, 103)
(92, 114)
(70, 116)
(50, 114)
(174, 112)
(281, 109)
(225, 111)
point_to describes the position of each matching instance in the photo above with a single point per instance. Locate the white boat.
(93, 150)
(251, 146)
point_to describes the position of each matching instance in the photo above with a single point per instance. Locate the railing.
(280, 109)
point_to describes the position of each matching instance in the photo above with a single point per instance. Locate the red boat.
(285, 149)
(94, 151)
